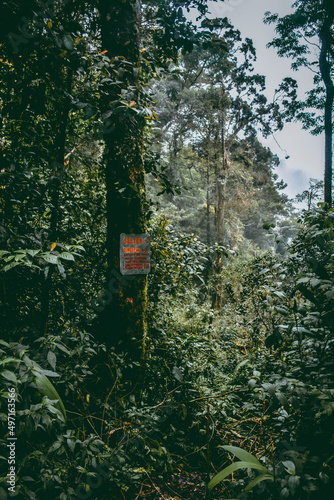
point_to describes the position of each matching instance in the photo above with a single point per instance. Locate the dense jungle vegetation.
(212, 376)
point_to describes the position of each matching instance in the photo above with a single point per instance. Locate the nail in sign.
(135, 253)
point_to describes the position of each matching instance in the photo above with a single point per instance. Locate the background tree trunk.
(325, 69)
(208, 205)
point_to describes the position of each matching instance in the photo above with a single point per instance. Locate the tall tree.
(125, 317)
(164, 30)
(308, 30)
(48, 62)
(216, 98)
(312, 194)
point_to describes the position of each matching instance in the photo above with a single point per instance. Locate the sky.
(306, 152)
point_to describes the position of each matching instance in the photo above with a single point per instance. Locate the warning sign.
(135, 253)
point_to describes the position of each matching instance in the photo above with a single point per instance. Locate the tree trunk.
(325, 69)
(123, 322)
(221, 181)
(220, 208)
(58, 158)
(208, 205)
(221, 165)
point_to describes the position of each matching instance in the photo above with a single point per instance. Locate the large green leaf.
(9, 376)
(45, 386)
(257, 480)
(242, 454)
(232, 468)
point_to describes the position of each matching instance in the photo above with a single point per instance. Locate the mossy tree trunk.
(123, 321)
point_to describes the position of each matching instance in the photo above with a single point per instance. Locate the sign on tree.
(135, 253)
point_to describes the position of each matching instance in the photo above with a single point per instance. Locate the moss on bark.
(124, 320)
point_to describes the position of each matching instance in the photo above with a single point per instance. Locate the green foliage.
(296, 34)
(226, 180)
(246, 461)
(239, 353)
(259, 377)
(290, 381)
(178, 259)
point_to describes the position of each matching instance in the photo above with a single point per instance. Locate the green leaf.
(314, 282)
(9, 258)
(257, 480)
(6, 361)
(61, 270)
(46, 271)
(48, 389)
(9, 266)
(51, 258)
(290, 467)
(50, 404)
(49, 373)
(55, 446)
(71, 444)
(63, 348)
(330, 294)
(293, 482)
(9, 376)
(68, 42)
(19, 256)
(32, 253)
(78, 247)
(242, 454)
(233, 467)
(66, 256)
(178, 374)
(52, 359)
(107, 114)
(303, 280)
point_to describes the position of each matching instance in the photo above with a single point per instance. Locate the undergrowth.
(255, 373)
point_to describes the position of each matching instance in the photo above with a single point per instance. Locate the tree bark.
(325, 69)
(208, 205)
(123, 322)
(220, 208)
(221, 183)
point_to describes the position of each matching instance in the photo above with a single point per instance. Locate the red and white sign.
(135, 253)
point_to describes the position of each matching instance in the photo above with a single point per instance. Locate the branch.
(219, 395)
(198, 75)
(75, 147)
(308, 41)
